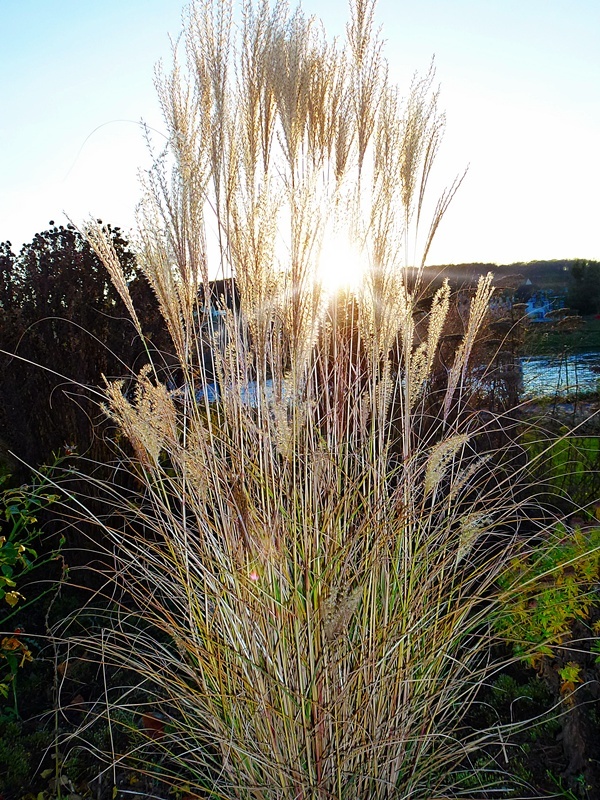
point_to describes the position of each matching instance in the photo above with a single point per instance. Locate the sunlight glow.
(342, 266)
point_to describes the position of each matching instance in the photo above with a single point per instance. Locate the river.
(548, 376)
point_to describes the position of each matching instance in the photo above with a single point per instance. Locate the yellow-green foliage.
(18, 530)
(547, 590)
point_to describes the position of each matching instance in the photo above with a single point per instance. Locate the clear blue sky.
(520, 84)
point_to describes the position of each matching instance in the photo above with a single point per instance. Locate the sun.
(341, 265)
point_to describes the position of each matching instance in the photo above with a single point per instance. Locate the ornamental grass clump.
(304, 571)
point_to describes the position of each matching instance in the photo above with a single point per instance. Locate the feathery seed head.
(471, 527)
(150, 422)
(338, 611)
(439, 460)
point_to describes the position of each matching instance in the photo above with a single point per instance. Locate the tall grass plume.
(306, 567)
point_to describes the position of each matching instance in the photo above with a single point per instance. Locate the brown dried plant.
(305, 577)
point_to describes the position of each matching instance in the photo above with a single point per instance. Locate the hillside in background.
(547, 275)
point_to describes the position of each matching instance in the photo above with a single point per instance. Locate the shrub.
(548, 588)
(19, 531)
(308, 570)
(63, 326)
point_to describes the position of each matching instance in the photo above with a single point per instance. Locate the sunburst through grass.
(306, 568)
(341, 266)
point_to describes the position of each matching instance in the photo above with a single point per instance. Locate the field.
(542, 339)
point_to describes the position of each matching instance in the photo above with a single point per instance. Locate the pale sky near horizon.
(520, 83)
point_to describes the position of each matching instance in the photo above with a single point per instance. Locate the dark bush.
(62, 327)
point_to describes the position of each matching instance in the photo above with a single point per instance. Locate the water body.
(248, 392)
(548, 376)
(542, 376)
